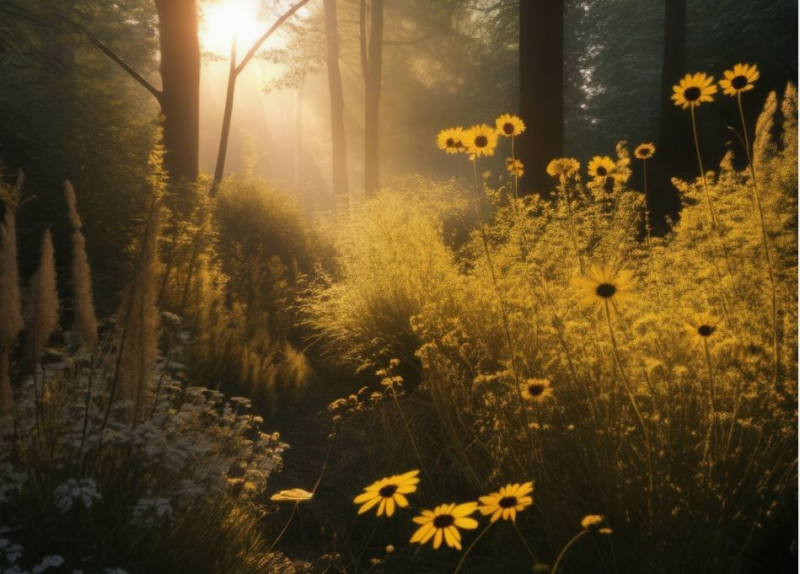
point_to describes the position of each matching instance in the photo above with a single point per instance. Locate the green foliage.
(234, 269)
(669, 408)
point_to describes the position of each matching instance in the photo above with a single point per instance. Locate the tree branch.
(100, 45)
(252, 52)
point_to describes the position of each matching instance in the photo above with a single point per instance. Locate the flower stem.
(635, 405)
(503, 311)
(525, 543)
(765, 241)
(567, 546)
(702, 171)
(470, 547)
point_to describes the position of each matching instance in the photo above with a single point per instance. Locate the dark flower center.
(705, 330)
(609, 185)
(450, 142)
(443, 521)
(605, 290)
(388, 490)
(507, 502)
(535, 390)
(692, 94)
(458, 144)
(739, 82)
(508, 128)
(601, 171)
(481, 141)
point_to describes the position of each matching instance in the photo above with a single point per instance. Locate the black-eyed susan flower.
(535, 389)
(515, 167)
(563, 167)
(601, 167)
(740, 79)
(451, 140)
(480, 140)
(505, 503)
(602, 284)
(595, 523)
(644, 151)
(509, 125)
(702, 325)
(443, 522)
(693, 90)
(388, 492)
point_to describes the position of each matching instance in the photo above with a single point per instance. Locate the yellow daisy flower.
(601, 167)
(739, 80)
(693, 90)
(443, 522)
(535, 389)
(509, 125)
(563, 166)
(505, 504)
(644, 151)
(515, 167)
(602, 284)
(451, 140)
(388, 492)
(480, 140)
(594, 522)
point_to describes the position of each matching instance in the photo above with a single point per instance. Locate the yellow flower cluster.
(445, 522)
(482, 139)
(694, 89)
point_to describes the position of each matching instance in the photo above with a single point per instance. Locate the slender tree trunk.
(372, 98)
(180, 94)
(227, 116)
(339, 144)
(541, 85)
(674, 135)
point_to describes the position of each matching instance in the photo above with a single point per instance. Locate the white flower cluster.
(83, 490)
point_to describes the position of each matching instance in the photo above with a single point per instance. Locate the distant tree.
(541, 89)
(371, 43)
(235, 69)
(339, 142)
(673, 132)
(180, 93)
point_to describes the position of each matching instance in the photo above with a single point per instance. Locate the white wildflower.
(84, 490)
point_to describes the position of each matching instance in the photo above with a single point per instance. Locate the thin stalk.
(702, 171)
(567, 546)
(296, 504)
(635, 405)
(516, 177)
(712, 400)
(765, 241)
(503, 313)
(407, 428)
(572, 233)
(470, 547)
(525, 543)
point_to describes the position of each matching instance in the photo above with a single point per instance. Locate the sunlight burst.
(228, 19)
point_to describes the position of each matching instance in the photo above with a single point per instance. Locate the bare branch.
(100, 45)
(252, 52)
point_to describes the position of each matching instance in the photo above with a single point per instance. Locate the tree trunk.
(541, 86)
(372, 82)
(339, 144)
(180, 76)
(227, 117)
(674, 134)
